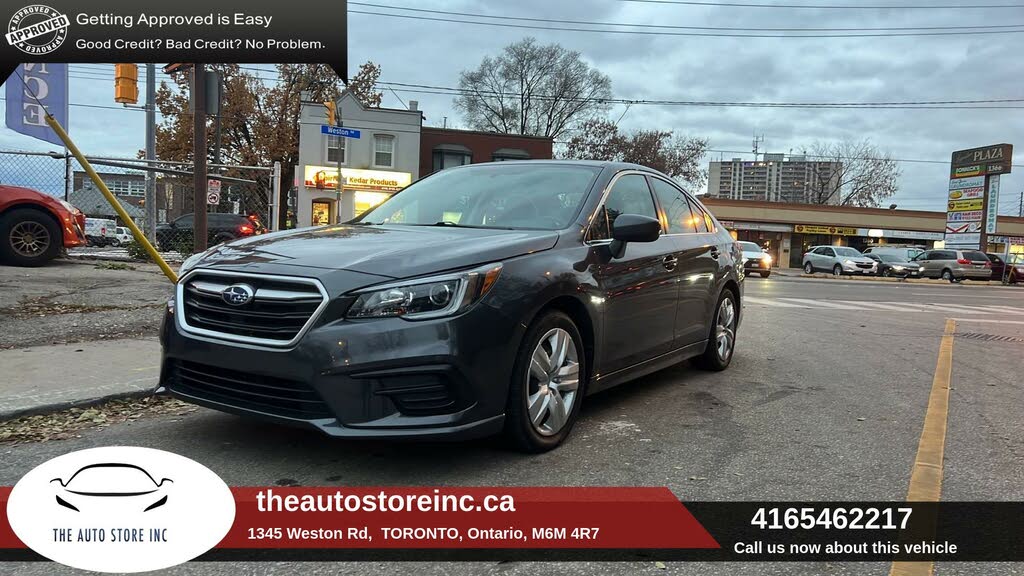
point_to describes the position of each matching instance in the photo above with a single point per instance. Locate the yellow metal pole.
(139, 236)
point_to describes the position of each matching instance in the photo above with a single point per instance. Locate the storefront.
(366, 188)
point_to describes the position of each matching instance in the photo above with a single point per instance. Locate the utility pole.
(150, 151)
(1020, 211)
(199, 153)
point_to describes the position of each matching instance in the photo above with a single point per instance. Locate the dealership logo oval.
(121, 509)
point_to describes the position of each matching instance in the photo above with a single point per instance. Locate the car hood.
(857, 259)
(754, 255)
(394, 251)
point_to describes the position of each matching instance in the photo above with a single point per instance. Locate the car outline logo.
(121, 489)
(238, 294)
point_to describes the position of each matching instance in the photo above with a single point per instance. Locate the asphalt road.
(825, 400)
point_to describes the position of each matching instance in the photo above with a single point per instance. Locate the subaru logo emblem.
(238, 294)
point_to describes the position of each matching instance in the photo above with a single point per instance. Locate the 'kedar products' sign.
(326, 177)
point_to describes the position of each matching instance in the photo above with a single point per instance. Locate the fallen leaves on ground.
(68, 423)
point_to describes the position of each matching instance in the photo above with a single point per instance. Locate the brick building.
(444, 147)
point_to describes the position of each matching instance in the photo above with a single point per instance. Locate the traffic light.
(331, 109)
(126, 83)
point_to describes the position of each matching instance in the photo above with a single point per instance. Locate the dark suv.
(219, 227)
(481, 299)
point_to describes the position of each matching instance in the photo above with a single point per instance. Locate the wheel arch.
(35, 208)
(582, 317)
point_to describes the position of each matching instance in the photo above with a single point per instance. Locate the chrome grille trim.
(266, 295)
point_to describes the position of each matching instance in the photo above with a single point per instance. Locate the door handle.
(714, 252)
(669, 262)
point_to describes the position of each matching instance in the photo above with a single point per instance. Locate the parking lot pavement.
(822, 402)
(79, 301)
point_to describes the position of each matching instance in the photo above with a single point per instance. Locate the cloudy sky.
(658, 67)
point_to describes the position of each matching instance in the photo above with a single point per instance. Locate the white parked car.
(122, 236)
(838, 260)
(100, 231)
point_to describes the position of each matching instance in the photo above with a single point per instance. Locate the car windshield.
(890, 258)
(520, 195)
(749, 247)
(844, 251)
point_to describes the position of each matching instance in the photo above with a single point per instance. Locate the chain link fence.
(240, 209)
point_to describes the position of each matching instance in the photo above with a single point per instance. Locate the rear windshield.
(975, 256)
(844, 251)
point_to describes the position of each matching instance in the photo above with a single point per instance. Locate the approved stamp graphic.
(37, 29)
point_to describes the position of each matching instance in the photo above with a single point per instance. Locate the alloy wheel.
(808, 268)
(29, 238)
(837, 271)
(552, 382)
(725, 330)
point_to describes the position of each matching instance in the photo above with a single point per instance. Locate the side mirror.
(633, 228)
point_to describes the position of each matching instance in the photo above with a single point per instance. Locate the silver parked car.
(955, 265)
(838, 260)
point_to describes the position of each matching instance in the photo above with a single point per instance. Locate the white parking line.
(961, 309)
(880, 305)
(766, 302)
(1006, 309)
(824, 304)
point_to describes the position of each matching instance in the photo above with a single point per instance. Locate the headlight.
(897, 267)
(848, 262)
(767, 258)
(67, 206)
(427, 297)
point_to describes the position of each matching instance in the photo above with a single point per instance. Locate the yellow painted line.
(926, 477)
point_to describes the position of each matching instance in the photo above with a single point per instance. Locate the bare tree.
(852, 173)
(540, 90)
(679, 157)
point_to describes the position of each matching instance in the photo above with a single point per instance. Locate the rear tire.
(808, 268)
(886, 273)
(536, 416)
(721, 344)
(29, 238)
(947, 275)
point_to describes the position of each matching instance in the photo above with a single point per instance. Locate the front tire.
(837, 270)
(886, 273)
(947, 275)
(29, 238)
(548, 384)
(765, 274)
(722, 339)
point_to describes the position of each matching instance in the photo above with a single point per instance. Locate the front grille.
(866, 266)
(278, 312)
(277, 396)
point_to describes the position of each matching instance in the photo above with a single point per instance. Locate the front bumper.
(380, 378)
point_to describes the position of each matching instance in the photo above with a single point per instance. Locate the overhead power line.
(831, 6)
(676, 27)
(925, 104)
(664, 33)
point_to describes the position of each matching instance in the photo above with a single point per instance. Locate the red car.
(35, 226)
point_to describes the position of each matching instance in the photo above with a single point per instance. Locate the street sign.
(212, 191)
(213, 198)
(992, 201)
(993, 154)
(339, 131)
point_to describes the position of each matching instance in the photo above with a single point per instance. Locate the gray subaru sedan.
(483, 299)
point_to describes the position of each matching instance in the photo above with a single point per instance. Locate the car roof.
(606, 164)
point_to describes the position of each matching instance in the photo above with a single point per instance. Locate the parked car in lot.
(220, 228)
(955, 265)
(755, 259)
(100, 231)
(998, 266)
(902, 251)
(888, 264)
(122, 236)
(481, 299)
(35, 226)
(838, 260)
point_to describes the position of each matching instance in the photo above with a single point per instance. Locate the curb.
(61, 406)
